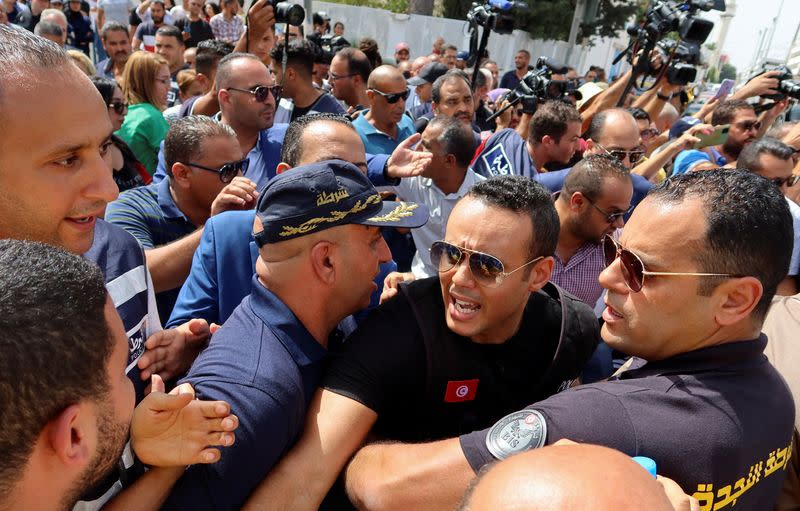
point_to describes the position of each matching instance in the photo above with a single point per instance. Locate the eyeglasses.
(262, 91)
(392, 98)
(633, 269)
(649, 133)
(618, 154)
(120, 107)
(749, 125)
(333, 77)
(780, 182)
(228, 171)
(611, 217)
(487, 270)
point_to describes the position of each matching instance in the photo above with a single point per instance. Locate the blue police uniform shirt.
(266, 364)
(717, 420)
(505, 153)
(264, 156)
(554, 181)
(377, 142)
(220, 274)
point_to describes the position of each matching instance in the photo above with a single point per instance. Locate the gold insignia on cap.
(313, 223)
(332, 198)
(401, 211)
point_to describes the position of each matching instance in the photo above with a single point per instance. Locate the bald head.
(383, 77)
(667, 117)
(576, 477)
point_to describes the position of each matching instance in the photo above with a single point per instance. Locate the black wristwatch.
(663, 97)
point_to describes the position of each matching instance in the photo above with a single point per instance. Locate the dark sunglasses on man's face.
(487, 270)
(633, 272)
(749, 125)
(228, 171)
(119, 107)
(392, 98)
(619, 155)
(262, 91)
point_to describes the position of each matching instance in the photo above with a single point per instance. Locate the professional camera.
(538, 86)
(495, 15)
(286, 12)
(787, 86)
(682, 56)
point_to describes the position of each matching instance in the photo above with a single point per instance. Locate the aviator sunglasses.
(487, 270)
(633, 271)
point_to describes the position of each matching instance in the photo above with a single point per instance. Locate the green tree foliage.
(727, 71)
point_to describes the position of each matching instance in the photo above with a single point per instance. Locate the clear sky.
(752, 16)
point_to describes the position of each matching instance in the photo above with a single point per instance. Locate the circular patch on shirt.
(516, 432)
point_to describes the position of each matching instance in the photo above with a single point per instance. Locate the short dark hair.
(587, 176)
(639, 114)
(184, 140)
(44, 28)
(750, 158)
(451, 47)
(456, 138)
(450, 75)
(112, 26)
(55, 344)
(292, 150)
(300, 55)
(105, 86)
(357, 62)
(726, 111)
(209, 53)
(526, 52)
(553, 119)
(171, 31)
(370, 48)
(749, 227)
(523, 195)
(224, 73)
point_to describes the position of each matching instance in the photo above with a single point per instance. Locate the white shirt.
(422, 190)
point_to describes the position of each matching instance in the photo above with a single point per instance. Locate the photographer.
(553, 136)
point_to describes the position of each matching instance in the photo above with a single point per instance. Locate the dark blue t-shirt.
(504, 153)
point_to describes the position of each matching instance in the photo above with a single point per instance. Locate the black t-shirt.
(198, 31)
(425, 382)
(717, 420)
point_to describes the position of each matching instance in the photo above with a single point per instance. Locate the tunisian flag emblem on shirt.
(462, 390)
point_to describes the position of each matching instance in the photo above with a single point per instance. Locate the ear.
(450, 160)
(223, 97)
(371, 95)
(547, 140)
(589, 146)
(282, 167)
(72, 435)
(435, 108)
(736, 298)
(323, 261)
(577, 201)
(541, 273)
(180, 174)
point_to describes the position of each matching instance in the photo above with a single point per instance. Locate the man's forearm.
(409, 476)
(649, 167)
(169, 264)
(148, 492)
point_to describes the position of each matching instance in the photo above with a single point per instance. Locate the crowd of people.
(383, 284)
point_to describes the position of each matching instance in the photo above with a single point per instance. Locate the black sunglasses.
(262, 91)
(749, 125)
(611, 217)
(487, 270)
(392, 98)
(780, 182)
(633, 271)
(228, 171)
(120, 107)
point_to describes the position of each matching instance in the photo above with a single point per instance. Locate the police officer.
(448, 354)
(688, 287)
(320, 246)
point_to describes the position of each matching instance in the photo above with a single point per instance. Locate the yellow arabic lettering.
(705, 495)
(332, 198)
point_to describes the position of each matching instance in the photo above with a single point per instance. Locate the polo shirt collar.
(165, 202)
(703, 359)
(301, 345)
(366, 127)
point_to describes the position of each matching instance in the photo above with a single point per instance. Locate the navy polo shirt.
(266, 364)
(504, 153)
(150, 214)
(717, 420)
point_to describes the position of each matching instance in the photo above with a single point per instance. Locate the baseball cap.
(401, 46)
(312, 198)
(462, 55)
(681, 125)
(428, 74)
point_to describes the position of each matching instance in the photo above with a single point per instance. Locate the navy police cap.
(312, 198)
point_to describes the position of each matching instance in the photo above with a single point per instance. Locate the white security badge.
(515, 433)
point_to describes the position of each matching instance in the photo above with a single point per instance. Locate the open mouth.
(463, 310)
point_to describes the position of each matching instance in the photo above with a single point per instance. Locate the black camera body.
(286, 12)
(538, 86)
(497, 15)
(787, 86)
(683, 56)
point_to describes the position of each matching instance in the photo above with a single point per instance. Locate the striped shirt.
(153, 218)
(579, 275)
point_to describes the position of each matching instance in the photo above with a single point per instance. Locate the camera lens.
(292, 14)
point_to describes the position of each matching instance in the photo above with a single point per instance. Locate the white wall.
(419, 32)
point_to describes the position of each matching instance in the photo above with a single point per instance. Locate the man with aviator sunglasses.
(689, 284)
(446, 353)
(204, 164)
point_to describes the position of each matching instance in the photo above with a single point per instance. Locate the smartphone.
(725, 88)
(716, 137)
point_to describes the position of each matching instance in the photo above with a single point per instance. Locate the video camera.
(495, 15)
(662, 18)
(787, 86)
(538, 86)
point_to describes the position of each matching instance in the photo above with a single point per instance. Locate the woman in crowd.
(146, 82)
(128, 171)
